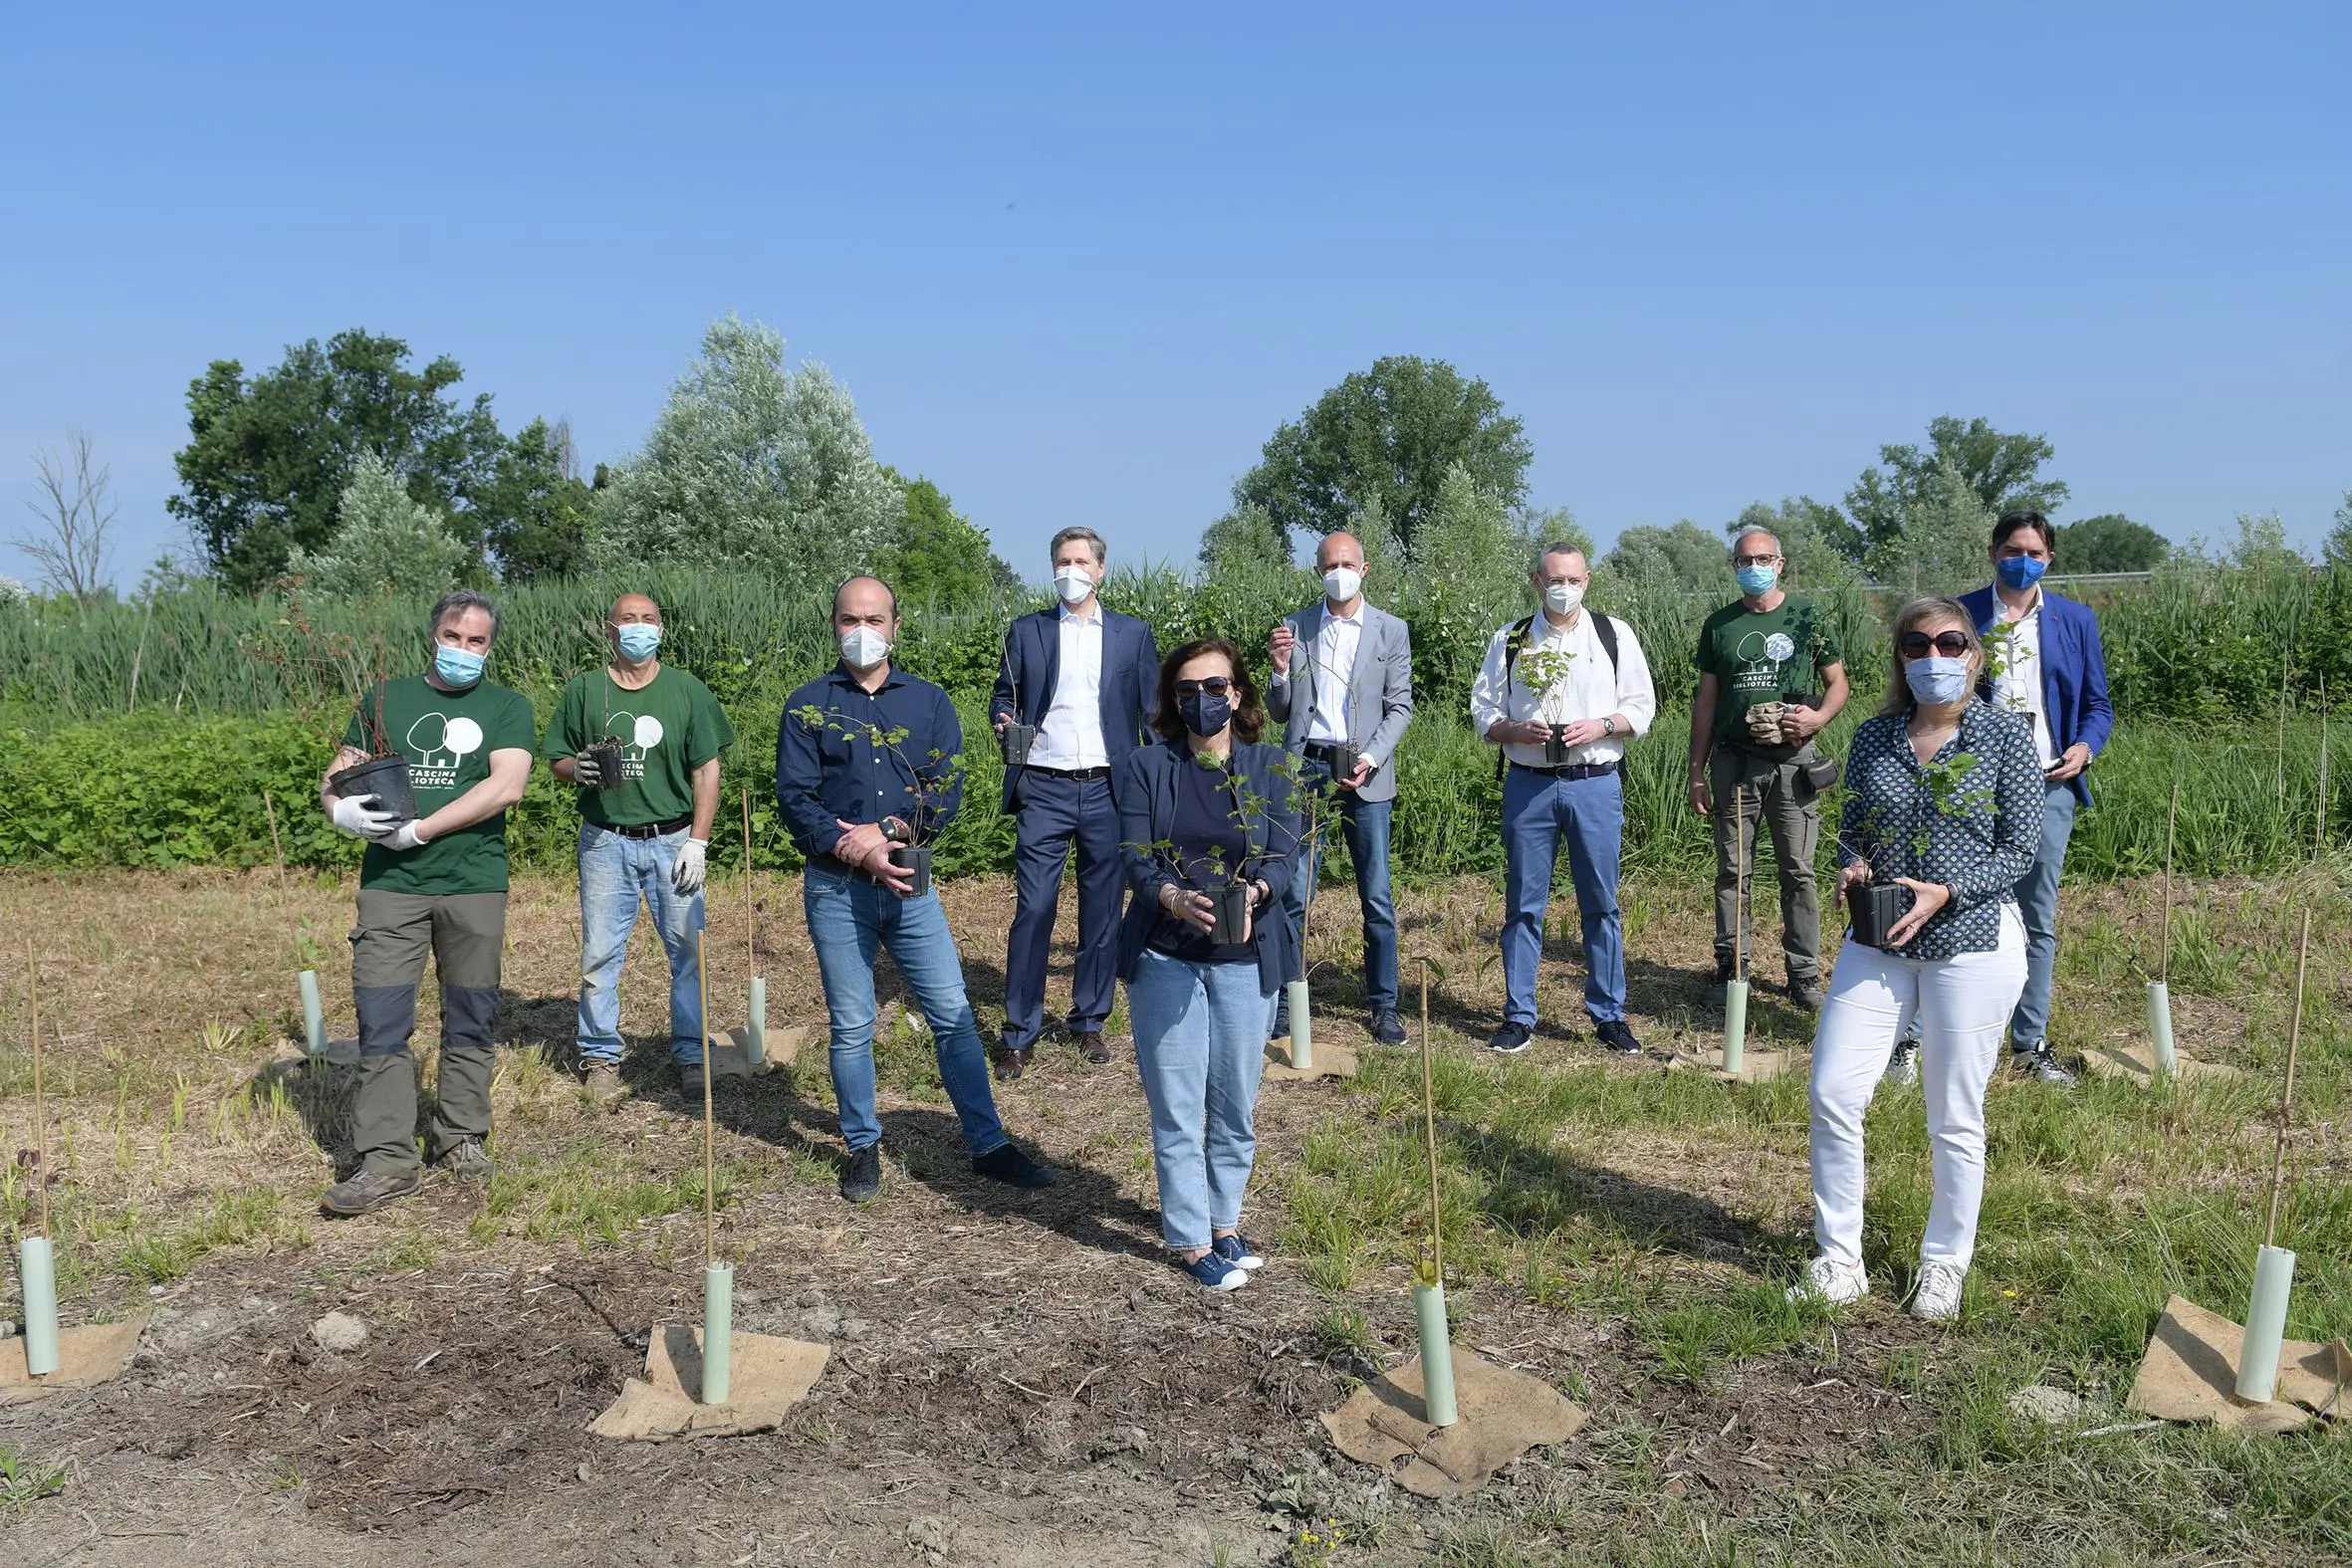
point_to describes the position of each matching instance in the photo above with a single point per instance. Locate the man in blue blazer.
(1081, 680)
(2042, 661)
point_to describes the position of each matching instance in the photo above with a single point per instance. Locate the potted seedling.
(938, 777)
(1016, 738)
(1543, 670)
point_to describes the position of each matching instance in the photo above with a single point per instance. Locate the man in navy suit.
(1086, 679)
(2043, 662)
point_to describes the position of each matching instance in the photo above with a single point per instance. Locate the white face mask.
(864, 647)
(1342, 583)
(1074, 582)
(1561, 599)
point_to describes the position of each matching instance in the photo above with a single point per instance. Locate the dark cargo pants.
(1747, 787)
(464, 933)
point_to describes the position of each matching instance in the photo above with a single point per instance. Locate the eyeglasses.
(1951, 644)
(1754, 560)
(1215, 686)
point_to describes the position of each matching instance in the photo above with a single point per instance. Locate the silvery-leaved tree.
(384, 543)
(1939, 532)
(754, 466)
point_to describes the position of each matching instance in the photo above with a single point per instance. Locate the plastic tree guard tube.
(39, 1267)
(755, 1033)
(1437, 1354)
(2265, 1324)
(1302, 1027)
(1735, 1025)
(313, 1017)
(2160, 1026)
(718, 1331)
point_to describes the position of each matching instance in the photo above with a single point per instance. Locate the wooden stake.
(751, 954)
(2164, 964)
(1739, 909)
(2285, 662)
(710, 1201)
(2321, 838)
(40, 1111)
(1437, 1241)
(2286, 1101)
(277, 849)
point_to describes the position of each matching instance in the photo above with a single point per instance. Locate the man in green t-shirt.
(1770, 677)
(642, 743)
(434, 880)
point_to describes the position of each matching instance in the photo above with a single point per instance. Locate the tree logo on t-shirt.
(637, 733)
(437, 747)
(1757, 662)
(1777, 647)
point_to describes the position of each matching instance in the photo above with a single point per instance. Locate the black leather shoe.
(1510, 1039)
(1617, 1035)
(1387, 1027)
(1012, 1064)
(1090, 1041)
(1009, 1165)
(861, 1174)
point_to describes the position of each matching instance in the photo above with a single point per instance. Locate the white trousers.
(1964, 1004)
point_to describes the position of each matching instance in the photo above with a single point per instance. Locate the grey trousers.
(1748, 788)
(465, 934)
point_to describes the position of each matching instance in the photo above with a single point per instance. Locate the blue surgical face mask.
(2021, 572)
(1758, 581)
(1936, 679)
(459, 667)
(637, 640)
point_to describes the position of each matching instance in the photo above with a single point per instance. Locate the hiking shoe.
(1617, 1035)
(1214, 1272)
(1726, 969)
(465, 1160)
(1238, 1251)
(1805, 990)
(1510, 1039)
(690, 1082)
(1281, 1018)
(861, 1174)
(1903, 1066)
(602, 1082)
(1095, 1047)
(1937, 1300)
(1387, 1027)
(1831, 1284)
(369, 1191)
(2040, 1062)
(1005, 1163)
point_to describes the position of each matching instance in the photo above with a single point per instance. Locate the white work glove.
(686, 874)
(407, 838)
(363, 817)
(585, 772)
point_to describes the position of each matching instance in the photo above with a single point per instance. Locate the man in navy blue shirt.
(868, 757)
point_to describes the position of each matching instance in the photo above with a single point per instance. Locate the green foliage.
(1243, 540)
(940, 560)
(1938, 531)
(384, 541)
(2000, 473)
(540, 517)
(1683, 559)
(2337, 551)
(2110, 542)
(1385, 439)
(1808, 531)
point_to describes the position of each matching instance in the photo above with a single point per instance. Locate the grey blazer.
(1379, 690)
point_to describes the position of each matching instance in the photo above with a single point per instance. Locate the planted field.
(1025, 1381)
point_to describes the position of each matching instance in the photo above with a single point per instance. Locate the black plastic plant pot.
(915, 858)
(1015, 742)
(607, 756)
(1555, 750)
(1344, 761)
(1877, 906)
(385, 777)
(1233, 915)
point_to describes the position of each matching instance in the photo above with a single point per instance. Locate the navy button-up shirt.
(848, 755)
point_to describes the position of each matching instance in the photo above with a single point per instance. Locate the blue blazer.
(2073, 673)
(1130, 683)
(1147, 818)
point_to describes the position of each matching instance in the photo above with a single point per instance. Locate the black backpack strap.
(1606, 631)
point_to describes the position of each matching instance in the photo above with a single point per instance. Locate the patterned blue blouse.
(1971, 819)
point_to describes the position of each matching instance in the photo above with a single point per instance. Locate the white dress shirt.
(1587, 691)
(1334, 650)
(1070, 734)
(2019, 686)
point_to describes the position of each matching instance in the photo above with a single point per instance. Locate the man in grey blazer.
(1342, 688)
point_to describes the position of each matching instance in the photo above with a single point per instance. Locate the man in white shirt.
(1561, 693)
(1343, 690)
(1080, 681)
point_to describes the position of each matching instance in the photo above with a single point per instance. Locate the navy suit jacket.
(1130, 683)
(2073, 673)
(1147, 818)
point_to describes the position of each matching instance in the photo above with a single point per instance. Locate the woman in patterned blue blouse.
(1943, 799)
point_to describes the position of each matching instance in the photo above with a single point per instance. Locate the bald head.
(1340, 549)
(634, 609)
(1756, 541)
(865, 601)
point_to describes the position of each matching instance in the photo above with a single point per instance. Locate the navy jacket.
(2073, 673)
(1148, 817)
(845, 762)
(1130, 682)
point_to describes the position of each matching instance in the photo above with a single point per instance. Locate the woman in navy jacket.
(1211, 809)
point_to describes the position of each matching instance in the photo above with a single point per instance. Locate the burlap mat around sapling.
(1505, 1412)
(1331, 1061)
(86, 1356)
(2190, 1374)
(767, 1377)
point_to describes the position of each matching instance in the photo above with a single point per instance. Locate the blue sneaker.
(1213, 1272)
(1238, 1250)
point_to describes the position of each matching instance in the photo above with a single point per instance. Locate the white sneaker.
(1903, 1065)
(1831, 1282)
(1938, 1298)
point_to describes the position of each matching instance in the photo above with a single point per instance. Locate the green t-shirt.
(666, 729)
(1773, 655)
(448, 737)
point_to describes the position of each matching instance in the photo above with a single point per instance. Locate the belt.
(651, 830)
(1069, 773)
(1571, 771)
(841, 867)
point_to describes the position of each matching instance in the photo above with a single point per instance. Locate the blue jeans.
(1200, 1044)
(614, 872)
(1538, 811)
(2037, 905)
(850, 918)
(1364, 825)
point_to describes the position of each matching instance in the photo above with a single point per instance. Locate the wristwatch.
(1609, 723)
(893, 830)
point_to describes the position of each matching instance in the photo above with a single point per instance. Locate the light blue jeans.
(1199, 1044)
(2037, 906)
(851, 919)
(615, 873)
(1538, 812)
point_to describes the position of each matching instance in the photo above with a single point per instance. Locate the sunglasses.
(1951, 644)
(1215, 686)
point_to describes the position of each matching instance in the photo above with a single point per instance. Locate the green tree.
(385, 541)
(1386, 437)
(540, 515)
(1809, 532)
(1243, 540)
(752, 466)
(269, 457)
(941, 560)
(2262, 546)
(1937, 536)
(2001, 472)
(1648, 558)
(2110, 542)
(2337, 551)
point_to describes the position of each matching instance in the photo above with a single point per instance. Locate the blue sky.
(1077, 263)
